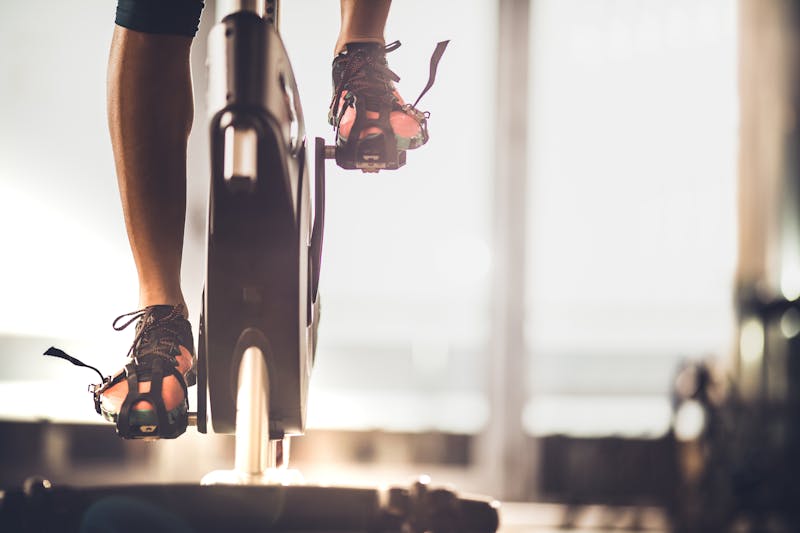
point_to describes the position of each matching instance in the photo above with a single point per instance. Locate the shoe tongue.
(158, 312)
(340, 61)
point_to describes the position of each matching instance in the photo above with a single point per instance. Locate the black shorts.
(170, 17)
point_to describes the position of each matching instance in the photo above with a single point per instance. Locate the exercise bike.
(260, 312)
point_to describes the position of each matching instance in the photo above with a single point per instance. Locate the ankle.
(147, 300)
(344, 43)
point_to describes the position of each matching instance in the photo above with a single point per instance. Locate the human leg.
(150, 113)
(362, 21)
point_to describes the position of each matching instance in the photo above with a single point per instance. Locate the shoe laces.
(157, 336)
(365, 75)
(156, 331)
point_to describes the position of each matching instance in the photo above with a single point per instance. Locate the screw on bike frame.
(273, 12)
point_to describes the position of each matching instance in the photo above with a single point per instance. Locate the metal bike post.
(252, 416)
(226, 7)
(267, 9)
(258, 460)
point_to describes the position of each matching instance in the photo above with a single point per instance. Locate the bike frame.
(258, 327)
(261, 297)
(260, 304)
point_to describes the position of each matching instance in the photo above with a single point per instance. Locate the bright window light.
(631, 255)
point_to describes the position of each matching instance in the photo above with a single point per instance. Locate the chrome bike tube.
(252, 416)
(257, 460)
(268, 9)
(226, 7)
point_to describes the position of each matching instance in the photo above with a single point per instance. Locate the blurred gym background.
(580, 295)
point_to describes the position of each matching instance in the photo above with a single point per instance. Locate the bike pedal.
(370, 163)
(369, 155)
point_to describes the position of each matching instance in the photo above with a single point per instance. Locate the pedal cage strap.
(438, 52)
(61, 354)
(164, 428)
(96, 390)
(353, 148)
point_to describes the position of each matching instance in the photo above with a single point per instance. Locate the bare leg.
(150, 113)
(363, 21)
